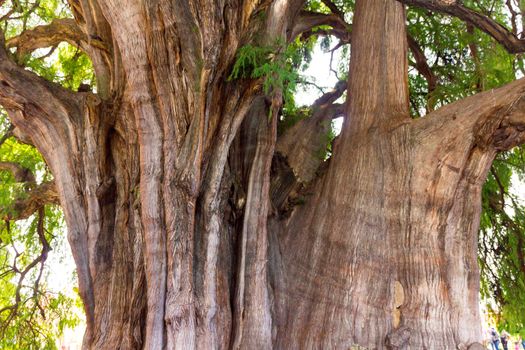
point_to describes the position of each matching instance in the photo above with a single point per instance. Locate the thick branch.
(307, 21)
(23, 90)
(379, 40)
(331, 96)
(60, 30)
(94, 40)
(494, 119)
(23, 208)
(282, 15)
(501, 34)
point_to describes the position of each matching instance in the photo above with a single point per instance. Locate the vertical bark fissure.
(117, 278)
(212, 221)
(253, 320)
(132, 42)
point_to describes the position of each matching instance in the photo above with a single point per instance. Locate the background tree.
(205, 210)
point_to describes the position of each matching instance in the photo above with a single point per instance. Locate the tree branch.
(331, 96)
(89, 31)
(493, 119)
(505, 37)
(14, 308)
(422, 64)
(23, 90)
(60, 30)
(307, 21)
(335, 10)
(305, 144)
(36, 199)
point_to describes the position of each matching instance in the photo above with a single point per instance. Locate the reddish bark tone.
(194, 226)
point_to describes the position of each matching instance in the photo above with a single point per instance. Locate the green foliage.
(448, 44)
(33, 313)
(277, 69)
(249, 57)
(74, 66)
(67, 66)
(502, 241)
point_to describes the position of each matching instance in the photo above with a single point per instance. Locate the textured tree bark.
(182, 204)
(384, 254)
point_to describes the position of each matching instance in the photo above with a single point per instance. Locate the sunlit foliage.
(33, 311)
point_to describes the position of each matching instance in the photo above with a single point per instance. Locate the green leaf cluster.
(502, 241)
(42, 312)
(278, 69)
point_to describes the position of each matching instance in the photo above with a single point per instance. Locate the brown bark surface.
(194, 226)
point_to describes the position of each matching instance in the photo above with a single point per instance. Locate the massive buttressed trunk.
(195, 226)
(380, 244)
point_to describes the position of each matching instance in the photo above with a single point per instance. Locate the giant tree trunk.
(385, 251)
(186, 237)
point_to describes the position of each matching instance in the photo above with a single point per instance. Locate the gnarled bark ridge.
(182, 204)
